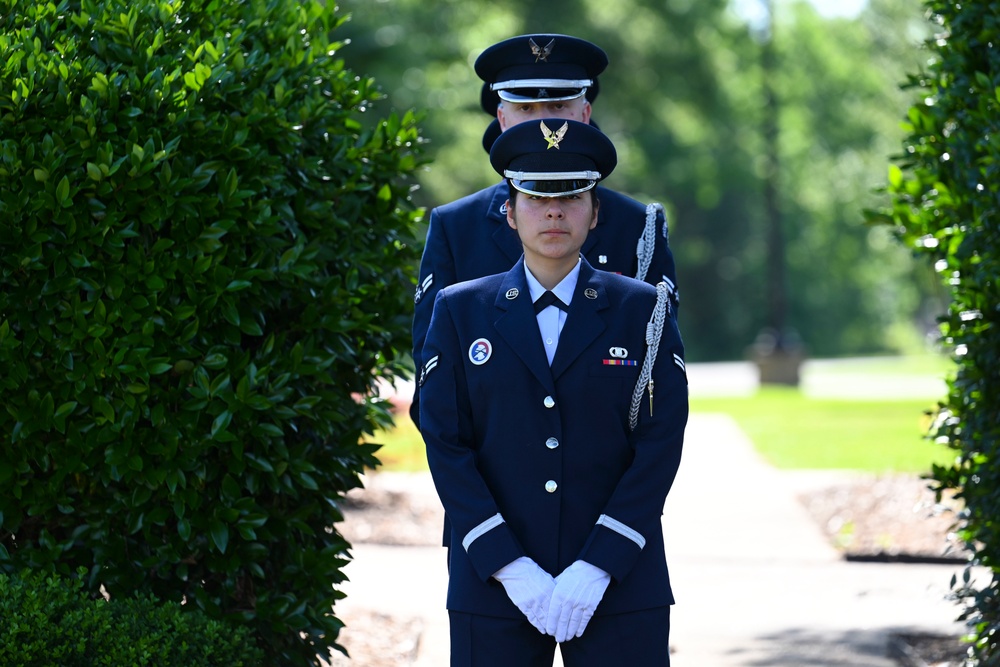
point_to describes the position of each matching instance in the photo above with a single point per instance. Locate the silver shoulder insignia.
(422, 288)
(428, 367)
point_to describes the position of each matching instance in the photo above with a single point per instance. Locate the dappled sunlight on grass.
(792, 430)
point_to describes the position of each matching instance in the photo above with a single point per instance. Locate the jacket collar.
(585, 321)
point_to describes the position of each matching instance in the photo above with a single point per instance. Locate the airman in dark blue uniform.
(553, 402)
(528, 78)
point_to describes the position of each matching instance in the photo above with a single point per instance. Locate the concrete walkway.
(755, 580)
(757, 583)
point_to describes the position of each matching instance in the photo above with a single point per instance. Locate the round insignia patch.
(480, 351)
(512, 293)
(590, 293)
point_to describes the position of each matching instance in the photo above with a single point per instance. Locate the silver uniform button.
(549, 402)
(551, 443)
(551, 486)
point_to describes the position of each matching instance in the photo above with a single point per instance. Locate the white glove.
(578, 591)
(529, 587)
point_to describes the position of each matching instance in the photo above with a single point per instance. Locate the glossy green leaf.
(221, 422)
(220, 535)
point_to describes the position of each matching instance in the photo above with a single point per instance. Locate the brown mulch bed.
(912, 650)
(867, 517)
(374, 639)
(886, 517)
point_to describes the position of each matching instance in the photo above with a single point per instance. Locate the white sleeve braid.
(654, 331)
(647, 242)
(481, 529)
(622, 529)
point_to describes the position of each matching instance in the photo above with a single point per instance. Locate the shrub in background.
(945, 205)
(50, 620)
(204, 268)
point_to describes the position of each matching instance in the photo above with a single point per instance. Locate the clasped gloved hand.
(577, 593)
(529, 587)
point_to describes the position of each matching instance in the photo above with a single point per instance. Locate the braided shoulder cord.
(654, 331)
(647, 242)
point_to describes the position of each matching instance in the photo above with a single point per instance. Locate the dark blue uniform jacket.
(470, 238)
(539, 461)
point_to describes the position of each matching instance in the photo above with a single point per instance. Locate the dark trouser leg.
(636, 639)
(486, 641)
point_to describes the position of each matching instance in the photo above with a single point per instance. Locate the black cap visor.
(525, 92)
(553, 188)
(532, 95)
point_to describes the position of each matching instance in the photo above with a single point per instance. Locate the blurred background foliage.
(684, 101)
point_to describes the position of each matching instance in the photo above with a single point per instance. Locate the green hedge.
(945, 204)
(50, 620)
(205, 266)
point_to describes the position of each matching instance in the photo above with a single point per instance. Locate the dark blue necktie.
(549, 299)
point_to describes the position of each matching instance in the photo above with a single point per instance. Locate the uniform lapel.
(517, 325)
(585, 321)
(505, 237)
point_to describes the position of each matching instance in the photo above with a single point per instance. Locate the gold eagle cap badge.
(554, 138)
(539, 52)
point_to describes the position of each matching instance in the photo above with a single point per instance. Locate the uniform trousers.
(636, 639)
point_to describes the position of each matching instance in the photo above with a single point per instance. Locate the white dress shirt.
(551, 319)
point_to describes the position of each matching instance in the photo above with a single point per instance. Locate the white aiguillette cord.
(654, 331)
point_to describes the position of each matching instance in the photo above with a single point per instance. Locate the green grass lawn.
(794, 431)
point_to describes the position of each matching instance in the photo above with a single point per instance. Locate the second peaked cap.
(541, 67)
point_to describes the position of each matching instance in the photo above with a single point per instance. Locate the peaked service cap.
(553, 157)
(540, 68)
